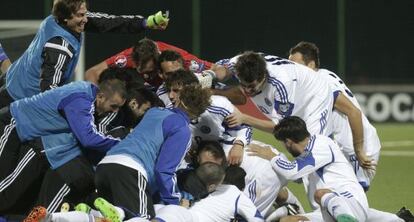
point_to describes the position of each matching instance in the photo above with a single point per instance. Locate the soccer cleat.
(83, 207)
(158, 20)
(38, 214)
(346, 218)
(107, 210)
(405, 214)
(292, 209)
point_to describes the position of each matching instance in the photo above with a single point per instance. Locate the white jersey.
(342, 130)
(211, 124)
(262, 183)
(223, 205)
(162, 93)
(293, 90)
(325, 167)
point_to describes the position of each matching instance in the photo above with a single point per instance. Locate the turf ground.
(393, 185)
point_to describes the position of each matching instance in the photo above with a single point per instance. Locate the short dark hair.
(63, 9)
(291, 127)
(180, 77)
(128, 76)
(188, 181)
(214, 147)
(144, 51)
(170, 56)
(235, 176)
(210, 173)
(309, 51)
(143, 95)
(112, 86)
(251, 66)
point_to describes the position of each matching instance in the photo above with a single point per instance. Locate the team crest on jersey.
(264, 110)
(285, 109)
(267, 101)
(205, 129)
(121, 61)
(194, 121)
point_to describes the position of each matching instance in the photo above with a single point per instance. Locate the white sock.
(72, 216)
(376, 215)
(277, 214)
(336, 205)
(292, 199)
(96, 213)
(121, 213)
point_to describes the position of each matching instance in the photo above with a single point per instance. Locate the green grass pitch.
(393, 185)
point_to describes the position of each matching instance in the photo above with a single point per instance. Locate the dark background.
(378, 34)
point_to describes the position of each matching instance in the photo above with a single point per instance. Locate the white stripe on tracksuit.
(142, 196)
(20, 166)
(57, 200)
(105, 121)
(6, 134)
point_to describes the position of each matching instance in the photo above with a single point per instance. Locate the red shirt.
(124, 60)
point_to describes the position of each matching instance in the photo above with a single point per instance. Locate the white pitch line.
(397, 153)
(397, 143)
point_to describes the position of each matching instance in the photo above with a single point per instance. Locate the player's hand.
(220, 72)
(235, 155)
(205, 78)
(158, 20)
(265, 152)
(185, 203)
(364, 161)
(235, 119)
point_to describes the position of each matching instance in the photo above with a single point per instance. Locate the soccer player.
(281, 88)
(143, 59)
(307, 53)
(171, 60)
(55, 124)
(263, 185)
(211, 124)
(224, 203)
(146, 160)
(52, 56)
(336, 187)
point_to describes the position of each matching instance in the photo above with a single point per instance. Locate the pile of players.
(153, 134)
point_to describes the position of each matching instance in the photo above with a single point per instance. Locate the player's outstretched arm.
(234, 94)
(129, 24)
(345, 106)
(93, 73)
(237, 118)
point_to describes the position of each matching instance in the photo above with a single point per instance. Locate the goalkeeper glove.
(158, 20)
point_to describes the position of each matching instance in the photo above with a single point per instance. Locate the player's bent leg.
(9, 143)
(285, 196)
(126, 187)
(336, 205)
